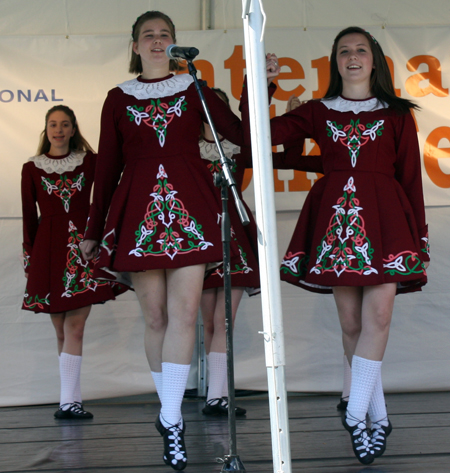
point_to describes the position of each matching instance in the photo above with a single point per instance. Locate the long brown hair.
(77, 141)
(381, 85)
(135, 61)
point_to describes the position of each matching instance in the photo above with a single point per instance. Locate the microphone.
(173, 52)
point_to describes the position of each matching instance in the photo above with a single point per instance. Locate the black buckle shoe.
(73, 412)
(219, 407)
(379, 435)
(174, 446)
(361, 440)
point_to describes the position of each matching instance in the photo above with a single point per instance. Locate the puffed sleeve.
(108, 168)
(29, 214)
(408, 172)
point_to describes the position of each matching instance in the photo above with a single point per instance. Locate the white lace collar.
(210, 152)
(356, 106)
(49, 165)
(155, 90)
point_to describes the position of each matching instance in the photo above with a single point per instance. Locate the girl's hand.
(293, 103)
(89, 249)
(272, 67)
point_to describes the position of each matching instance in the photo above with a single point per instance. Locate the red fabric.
(132, 154)
(58, 280)
(388, 200)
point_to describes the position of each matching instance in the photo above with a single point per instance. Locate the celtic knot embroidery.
(404, 263)
(64, 188)
(37, 302)
(216, 166)
(167, 229)
(355, 135)
(77, 277)
(25, 259)
(158, 115)
(345, 247)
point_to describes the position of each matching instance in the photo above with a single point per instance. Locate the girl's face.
(59, 131)
(154, 37)
(354, 59)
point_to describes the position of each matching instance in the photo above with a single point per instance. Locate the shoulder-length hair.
(381, 85)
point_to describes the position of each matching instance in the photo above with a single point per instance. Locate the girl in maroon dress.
(161, 218)
(59, 281)
(244, 267)
(362, 233)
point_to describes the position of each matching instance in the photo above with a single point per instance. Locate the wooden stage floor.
(122, 439)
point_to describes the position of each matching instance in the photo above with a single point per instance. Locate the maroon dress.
(244, 266)
(363, 223)
(163, 212)
(59, 279)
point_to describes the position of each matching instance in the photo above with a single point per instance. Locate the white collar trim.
(50, 165)
(210, 152)
(155, 90)
(341, 104)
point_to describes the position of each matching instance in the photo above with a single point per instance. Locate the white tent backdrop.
(74, 51)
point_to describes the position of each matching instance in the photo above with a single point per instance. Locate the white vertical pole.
(267, 234)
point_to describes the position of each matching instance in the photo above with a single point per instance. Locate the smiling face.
(354, 60)
(154, 37)
(59, 130)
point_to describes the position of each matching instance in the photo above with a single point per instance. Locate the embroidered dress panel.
(363, 223)
(155, 205)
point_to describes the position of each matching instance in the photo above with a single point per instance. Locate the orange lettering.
(207, 71)
(433, 76)
(432, 153)
(296, 72)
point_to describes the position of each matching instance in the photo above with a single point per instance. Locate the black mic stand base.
(232, 463)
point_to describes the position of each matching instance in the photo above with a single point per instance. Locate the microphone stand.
(225, 180)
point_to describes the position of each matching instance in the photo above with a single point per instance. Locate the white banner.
(39, 72)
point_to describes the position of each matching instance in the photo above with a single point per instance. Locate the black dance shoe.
(219, 407)
(73, 412)
(343, 403)
(379, 435)
(174, 446)
(361, 440)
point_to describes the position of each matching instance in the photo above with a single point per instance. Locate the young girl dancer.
(244, 274)
(59, 180)
(161, 219)
(244, 268)
(362, 233)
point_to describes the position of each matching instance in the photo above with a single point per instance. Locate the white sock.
(364, 377)
(217, 374)
(347, 379)
(158, 380)
(69, 371)
(377, 405)
(175, 378)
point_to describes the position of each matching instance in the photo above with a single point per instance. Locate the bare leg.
(207, 306)
(184, 290)
(58, 324)
(151, 291)
(74, 323)
(218, 343)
